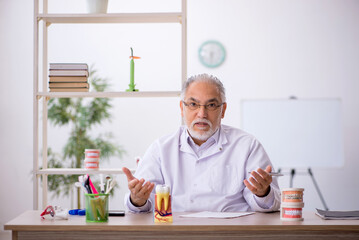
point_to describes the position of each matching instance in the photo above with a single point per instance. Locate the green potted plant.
(81, 115)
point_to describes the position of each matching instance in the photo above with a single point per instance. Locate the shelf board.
(79, 171)
(109, 94)
(174, 17)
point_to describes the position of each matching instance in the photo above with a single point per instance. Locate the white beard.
(204, 135)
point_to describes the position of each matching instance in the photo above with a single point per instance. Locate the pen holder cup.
(96, 207)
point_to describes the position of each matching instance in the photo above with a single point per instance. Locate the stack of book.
(68, 77)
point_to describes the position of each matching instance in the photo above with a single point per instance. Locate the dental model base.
(163, 209)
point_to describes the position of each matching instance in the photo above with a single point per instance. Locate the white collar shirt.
(199, 150)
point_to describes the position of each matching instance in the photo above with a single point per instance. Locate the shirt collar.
(219, 137)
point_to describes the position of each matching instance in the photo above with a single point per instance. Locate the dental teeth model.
(162, 193)
(163, 210)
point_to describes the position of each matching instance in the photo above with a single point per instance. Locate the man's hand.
(260, 182)
(139, 192)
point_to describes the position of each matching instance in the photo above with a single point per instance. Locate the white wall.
(16, 108)
(281, 48)
(275, 49)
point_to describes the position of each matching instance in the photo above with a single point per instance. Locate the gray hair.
(204, 77)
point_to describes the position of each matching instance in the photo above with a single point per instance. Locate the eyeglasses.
(194, 106)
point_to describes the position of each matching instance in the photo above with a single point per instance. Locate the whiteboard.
(297, 133)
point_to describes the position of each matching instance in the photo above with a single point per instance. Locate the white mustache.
(201, 120)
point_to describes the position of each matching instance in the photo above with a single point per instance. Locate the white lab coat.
(209, 178)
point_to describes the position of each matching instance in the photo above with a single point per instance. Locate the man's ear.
(224, 109)
(181, 106)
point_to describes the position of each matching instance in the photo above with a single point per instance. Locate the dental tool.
(273, 174)
(79, 185)
(54, 212)
(113, 183)
(108, 179)
(102, 185)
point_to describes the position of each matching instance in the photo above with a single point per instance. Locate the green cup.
(96, 207)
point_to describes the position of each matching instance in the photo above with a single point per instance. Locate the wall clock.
(211, 54)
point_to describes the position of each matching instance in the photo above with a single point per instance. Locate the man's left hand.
(260, 181)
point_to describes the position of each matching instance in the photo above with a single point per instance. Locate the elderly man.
(206, 164)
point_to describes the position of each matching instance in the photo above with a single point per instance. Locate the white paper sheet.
(217, 214)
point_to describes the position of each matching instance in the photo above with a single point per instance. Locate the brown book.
(68, 85)
(69, 89)
(68, 79)
(78, 73)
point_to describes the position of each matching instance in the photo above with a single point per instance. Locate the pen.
(93, 189)
(87, 185)
(274, 174)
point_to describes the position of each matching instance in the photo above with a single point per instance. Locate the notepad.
(207, 214)
(338, 215)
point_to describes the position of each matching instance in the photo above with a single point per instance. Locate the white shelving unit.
(44, 20)
(109, 94)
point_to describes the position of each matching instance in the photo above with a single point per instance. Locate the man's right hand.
(139, 192)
